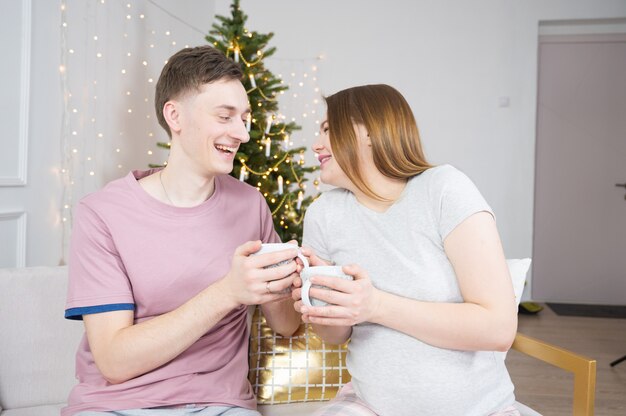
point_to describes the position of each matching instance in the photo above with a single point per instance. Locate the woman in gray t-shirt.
(432, 298)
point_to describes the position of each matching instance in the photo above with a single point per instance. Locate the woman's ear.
(171, 114)
(364, 135)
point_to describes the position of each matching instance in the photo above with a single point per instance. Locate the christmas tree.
(267, 161)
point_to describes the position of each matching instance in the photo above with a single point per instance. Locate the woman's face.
(331, 172)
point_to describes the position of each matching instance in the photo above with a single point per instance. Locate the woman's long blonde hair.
(389, 121)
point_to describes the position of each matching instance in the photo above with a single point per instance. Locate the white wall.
(453, 60)
(50, 142)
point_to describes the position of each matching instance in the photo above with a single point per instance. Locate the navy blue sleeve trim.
(77, 313)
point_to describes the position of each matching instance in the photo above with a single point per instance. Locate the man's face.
(213, 125)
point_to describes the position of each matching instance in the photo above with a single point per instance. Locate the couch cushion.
(294, 369)
(37, 345)
(518, 269)
(47, 410)
(291, 409)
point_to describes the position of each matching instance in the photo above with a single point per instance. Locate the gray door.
(579, 246)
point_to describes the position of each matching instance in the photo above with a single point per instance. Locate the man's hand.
(249, 282)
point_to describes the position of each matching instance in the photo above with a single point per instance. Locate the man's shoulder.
(238, 189)
(112, 189)
(116, 196)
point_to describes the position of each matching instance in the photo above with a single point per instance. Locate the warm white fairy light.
(300, 199)
(268, 123)
(280, 185)
(268, 147)
(93, 138)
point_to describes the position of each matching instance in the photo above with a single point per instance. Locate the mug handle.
(304, 260)
(304, 293)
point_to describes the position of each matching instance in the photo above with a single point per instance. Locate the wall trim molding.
(20, 179)
(20, 238)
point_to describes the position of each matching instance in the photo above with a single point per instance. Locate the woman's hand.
(313, 261)
(350, 302)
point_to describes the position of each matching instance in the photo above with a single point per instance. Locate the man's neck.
(182, 187)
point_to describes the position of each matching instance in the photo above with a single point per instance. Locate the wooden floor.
(548, 389)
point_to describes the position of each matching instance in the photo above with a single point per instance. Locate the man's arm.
(123, 350)
(281, 316)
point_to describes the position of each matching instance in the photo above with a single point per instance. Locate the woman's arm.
(332, 334)
(486, 320)
(329, 333)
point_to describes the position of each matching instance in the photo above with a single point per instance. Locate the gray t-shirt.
(402, 250)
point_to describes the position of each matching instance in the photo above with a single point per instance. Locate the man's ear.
(171, 114)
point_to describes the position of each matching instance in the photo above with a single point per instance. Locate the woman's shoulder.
(332, 196)
(436, 176)
(435, 183)
(443, 172)
(328, 202)
(442, 175)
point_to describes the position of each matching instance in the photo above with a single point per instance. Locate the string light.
(88, 130)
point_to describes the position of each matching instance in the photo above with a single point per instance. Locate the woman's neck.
(387, 188)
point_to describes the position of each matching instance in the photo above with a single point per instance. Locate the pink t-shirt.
(132, 252)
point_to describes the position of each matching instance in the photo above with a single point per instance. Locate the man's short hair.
(187, 70)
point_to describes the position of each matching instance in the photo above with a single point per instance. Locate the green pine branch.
(250, 48)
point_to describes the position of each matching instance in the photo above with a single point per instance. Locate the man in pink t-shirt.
(160, 266)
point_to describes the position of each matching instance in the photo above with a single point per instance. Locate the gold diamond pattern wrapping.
(301, 368)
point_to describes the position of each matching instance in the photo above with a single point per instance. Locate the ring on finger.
(267, 287)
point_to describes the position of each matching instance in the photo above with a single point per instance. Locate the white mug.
(308, 272)
(273, 247)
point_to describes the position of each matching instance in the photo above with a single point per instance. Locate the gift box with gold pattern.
(295, 369)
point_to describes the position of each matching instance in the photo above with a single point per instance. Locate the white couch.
(37, 346)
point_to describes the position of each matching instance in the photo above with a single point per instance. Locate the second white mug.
(308, 272)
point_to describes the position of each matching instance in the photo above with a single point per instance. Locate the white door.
(14, 83)
(579, 246)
